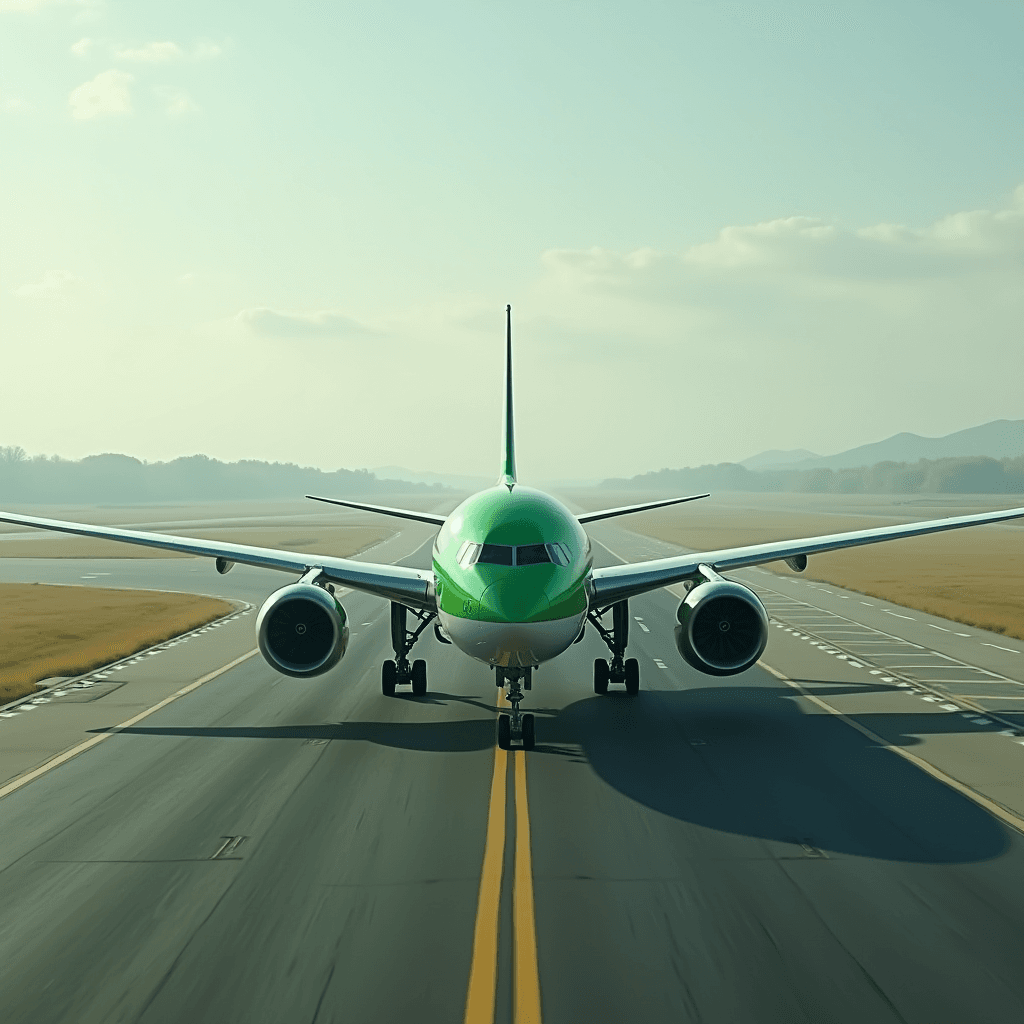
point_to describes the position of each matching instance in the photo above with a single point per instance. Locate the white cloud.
(272, 323)
(104, 96)
(86, 9)
(802, 252)
(168, 52)
(15, 105)
(206, 49)
(52, 283)
(177, 102)
(82, 47)
(152, 53)
(23, 5)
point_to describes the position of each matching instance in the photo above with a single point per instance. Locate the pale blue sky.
(249, 229)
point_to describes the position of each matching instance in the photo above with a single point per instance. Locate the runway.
(713, 850)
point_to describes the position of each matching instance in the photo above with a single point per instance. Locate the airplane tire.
(388, 678)
(632, 677)
(419, 677)
(601, 674)
(528, 732)
(504, 732)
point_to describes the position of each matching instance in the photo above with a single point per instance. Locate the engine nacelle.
(302, 630)
(723, 628)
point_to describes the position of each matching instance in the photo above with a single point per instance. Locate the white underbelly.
(512, 644)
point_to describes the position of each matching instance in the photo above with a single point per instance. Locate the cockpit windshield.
(494, 554)
(503, 554)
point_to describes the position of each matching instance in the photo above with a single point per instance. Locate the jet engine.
(302, 630)
(723, 627)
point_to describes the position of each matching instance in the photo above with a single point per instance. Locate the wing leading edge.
(412, 587)
(616, 583)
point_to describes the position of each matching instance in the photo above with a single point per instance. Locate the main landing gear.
(516, 728)
(400, 671)
(625, 672)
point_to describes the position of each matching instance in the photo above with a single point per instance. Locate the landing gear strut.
(400, 671)
(516, 728)
(620, 671)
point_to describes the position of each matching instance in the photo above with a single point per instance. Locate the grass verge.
(66, 631)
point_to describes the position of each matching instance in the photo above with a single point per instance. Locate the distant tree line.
(121, 478)
(969, 475)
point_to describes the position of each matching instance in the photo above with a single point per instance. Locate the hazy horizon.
(288, 233)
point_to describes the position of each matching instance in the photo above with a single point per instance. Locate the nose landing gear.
(516, 729)
(624, 672)
(401, 671)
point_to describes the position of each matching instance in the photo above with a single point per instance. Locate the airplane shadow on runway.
(749, 760)
(741, 759)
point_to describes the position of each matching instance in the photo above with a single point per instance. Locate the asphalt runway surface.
(714, 850)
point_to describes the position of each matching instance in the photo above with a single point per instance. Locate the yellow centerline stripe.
(483, 971)
(23, 780)
(1004, 815)
(526, 983)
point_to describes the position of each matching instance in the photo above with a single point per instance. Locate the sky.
(288, 231)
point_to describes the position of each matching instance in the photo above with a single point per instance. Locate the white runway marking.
(921, 671)
(998, 648)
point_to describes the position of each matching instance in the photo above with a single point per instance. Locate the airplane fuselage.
(511, 566)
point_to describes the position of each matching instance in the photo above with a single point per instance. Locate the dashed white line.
(910, 618)
(943, 628)
(998, 648)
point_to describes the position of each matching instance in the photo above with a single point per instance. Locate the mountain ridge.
(998, 439)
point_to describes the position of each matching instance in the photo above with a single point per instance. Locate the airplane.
(513, 585)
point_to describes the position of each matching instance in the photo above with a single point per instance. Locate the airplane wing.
(401, 513)
(618, 582)
(412, 587)
(623, 510)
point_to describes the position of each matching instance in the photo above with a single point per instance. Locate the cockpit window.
(559, 553)
(532, 554)
(494, 554)
(467, 554)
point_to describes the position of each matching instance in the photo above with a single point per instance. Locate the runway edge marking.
(997, 810)
(483, 971)
(24, 780)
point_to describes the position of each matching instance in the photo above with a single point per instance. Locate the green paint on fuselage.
(517, 593)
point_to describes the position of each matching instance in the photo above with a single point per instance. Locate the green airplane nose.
(509, 600)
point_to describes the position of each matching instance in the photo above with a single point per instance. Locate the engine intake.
(723, 628)
(302, 630)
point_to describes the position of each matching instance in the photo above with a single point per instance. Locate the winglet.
(508, 467)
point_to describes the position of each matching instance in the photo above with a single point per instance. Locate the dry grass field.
(973, 576)
(64, 631)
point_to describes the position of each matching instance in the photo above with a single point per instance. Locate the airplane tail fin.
(508, 465)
